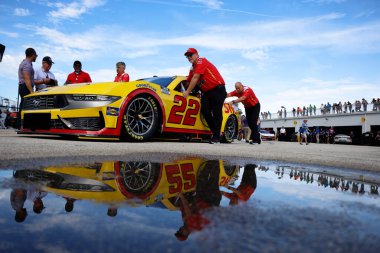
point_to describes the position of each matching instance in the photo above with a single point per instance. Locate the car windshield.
(163, 81)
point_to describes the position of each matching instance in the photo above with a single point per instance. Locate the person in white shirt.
(43, 77)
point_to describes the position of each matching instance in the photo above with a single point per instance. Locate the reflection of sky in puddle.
(147, 203)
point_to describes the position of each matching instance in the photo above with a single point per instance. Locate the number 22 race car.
(133, 111)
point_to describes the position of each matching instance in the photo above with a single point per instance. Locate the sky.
(290, 52)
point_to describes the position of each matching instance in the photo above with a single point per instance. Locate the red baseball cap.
(191, 51)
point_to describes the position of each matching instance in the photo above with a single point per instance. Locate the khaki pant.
(247, 133)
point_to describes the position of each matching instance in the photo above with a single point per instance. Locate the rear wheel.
(139, 178)
(230, 129)
(140, 118)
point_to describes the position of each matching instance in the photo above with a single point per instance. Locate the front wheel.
(230, 129)
(140, 119)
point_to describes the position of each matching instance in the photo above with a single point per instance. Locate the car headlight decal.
(85, 97)
(81, 101)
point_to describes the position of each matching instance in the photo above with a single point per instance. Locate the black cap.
(30, 52)
(48, 60)
(76, 63)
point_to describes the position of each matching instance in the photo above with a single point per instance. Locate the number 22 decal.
(176, 113)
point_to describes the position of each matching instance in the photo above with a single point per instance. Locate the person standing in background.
(25, 79)
(78, 76)
(121, 75)
(43, 77)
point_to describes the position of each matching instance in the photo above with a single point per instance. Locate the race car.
(128, 182)
(135, 111)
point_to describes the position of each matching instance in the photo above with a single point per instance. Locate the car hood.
(83, 88)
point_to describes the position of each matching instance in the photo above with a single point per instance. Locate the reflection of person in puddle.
(36, 195)
(207, 195)
(18, 197)
(246, 188)
(112, 211)
(69, 206)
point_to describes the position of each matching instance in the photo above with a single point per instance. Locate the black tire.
(230, 129)
(140, 119)
(139, 178)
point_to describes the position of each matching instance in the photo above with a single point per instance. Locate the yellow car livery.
(137, 110)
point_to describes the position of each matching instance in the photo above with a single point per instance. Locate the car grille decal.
(44, 102)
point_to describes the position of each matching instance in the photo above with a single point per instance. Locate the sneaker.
(214, 141)
(259, 142)
(307, 143)
(300, 143)
(252, 143)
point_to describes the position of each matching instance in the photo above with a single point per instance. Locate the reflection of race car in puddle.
(132, 182)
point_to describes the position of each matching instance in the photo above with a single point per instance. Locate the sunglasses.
(189, 55)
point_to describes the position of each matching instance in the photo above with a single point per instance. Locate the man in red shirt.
(207, 196)
(246, 188)
(252, 108)
(204, 74)
(78, 76)
(121, 75)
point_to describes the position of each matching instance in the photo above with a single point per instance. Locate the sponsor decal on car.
(112, 111)
(145, 85)
(165, 90)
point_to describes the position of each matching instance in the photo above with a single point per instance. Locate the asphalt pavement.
(25, 150)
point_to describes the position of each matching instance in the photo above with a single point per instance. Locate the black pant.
(22, 91)
(207, 188)
(252, 114)
(212, 109)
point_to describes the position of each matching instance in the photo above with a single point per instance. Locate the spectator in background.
(349, 106)
(282, 136)
(43, 77)
(358, 105)
(121, 75)
(331, 135)
(78, 76)
(364, 103)
(294, 112)
(374, 104)
(304, 130)
(317, 132)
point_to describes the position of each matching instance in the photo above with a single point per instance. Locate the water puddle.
(187, 205)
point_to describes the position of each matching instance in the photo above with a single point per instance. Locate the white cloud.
(260, 56)
(213, 4)
(9, 34)
(365, 14)
(21, 12)
(73, 10)
(325, 1)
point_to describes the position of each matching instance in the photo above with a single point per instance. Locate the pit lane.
(296, 206)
